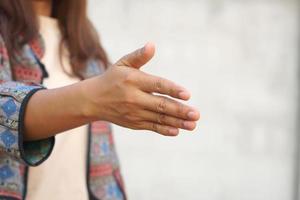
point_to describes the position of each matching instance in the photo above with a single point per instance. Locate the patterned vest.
(19, 80)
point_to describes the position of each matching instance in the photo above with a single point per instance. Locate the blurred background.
(240, 60)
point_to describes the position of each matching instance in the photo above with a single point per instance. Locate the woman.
(62, 47)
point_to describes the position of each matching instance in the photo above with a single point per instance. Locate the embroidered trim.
(21, 131)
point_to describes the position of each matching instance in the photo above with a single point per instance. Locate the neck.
(42, 7)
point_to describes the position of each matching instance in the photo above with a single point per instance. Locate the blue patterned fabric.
(8, 138)
(5, 173)
(9, 107)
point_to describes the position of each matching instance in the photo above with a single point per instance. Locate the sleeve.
(14, 97)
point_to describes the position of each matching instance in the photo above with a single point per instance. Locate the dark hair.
(17, 18)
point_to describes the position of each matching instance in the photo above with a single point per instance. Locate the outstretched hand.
(128, 97)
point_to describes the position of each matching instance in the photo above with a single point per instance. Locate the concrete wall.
(240, 61)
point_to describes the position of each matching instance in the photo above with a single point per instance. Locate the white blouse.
(63, 175)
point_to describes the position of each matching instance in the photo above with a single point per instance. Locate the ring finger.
(164, 119)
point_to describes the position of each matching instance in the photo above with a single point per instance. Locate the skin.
(123, 95)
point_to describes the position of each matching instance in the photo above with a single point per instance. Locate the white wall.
(240, 60)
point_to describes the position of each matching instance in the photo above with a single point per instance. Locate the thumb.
(139, 57)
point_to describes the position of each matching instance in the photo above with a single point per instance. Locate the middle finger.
(168, 106)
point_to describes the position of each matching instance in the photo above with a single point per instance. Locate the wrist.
(86, 100)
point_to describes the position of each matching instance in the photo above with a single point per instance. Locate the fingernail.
(173, 131)
(192, 115)
(143, 49)
(188, 124)
(184, 95)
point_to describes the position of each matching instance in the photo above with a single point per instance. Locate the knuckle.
(162, 105)
(125, 114)
(131, 98)
(131, 117)
(161, 118)
(179, 123)
(130, 77)
(158, 85)
(180, 109)
(139, 125)
(165, 131)
(124, 61)
(128, 100)
(154, 127)
(172, 91)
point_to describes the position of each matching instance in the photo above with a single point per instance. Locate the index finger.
(149, 83)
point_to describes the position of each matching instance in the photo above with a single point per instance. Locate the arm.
(122, 95)
(53, 111)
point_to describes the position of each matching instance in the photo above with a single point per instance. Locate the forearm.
(53, 111)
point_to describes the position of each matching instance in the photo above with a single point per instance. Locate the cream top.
(63, 175)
